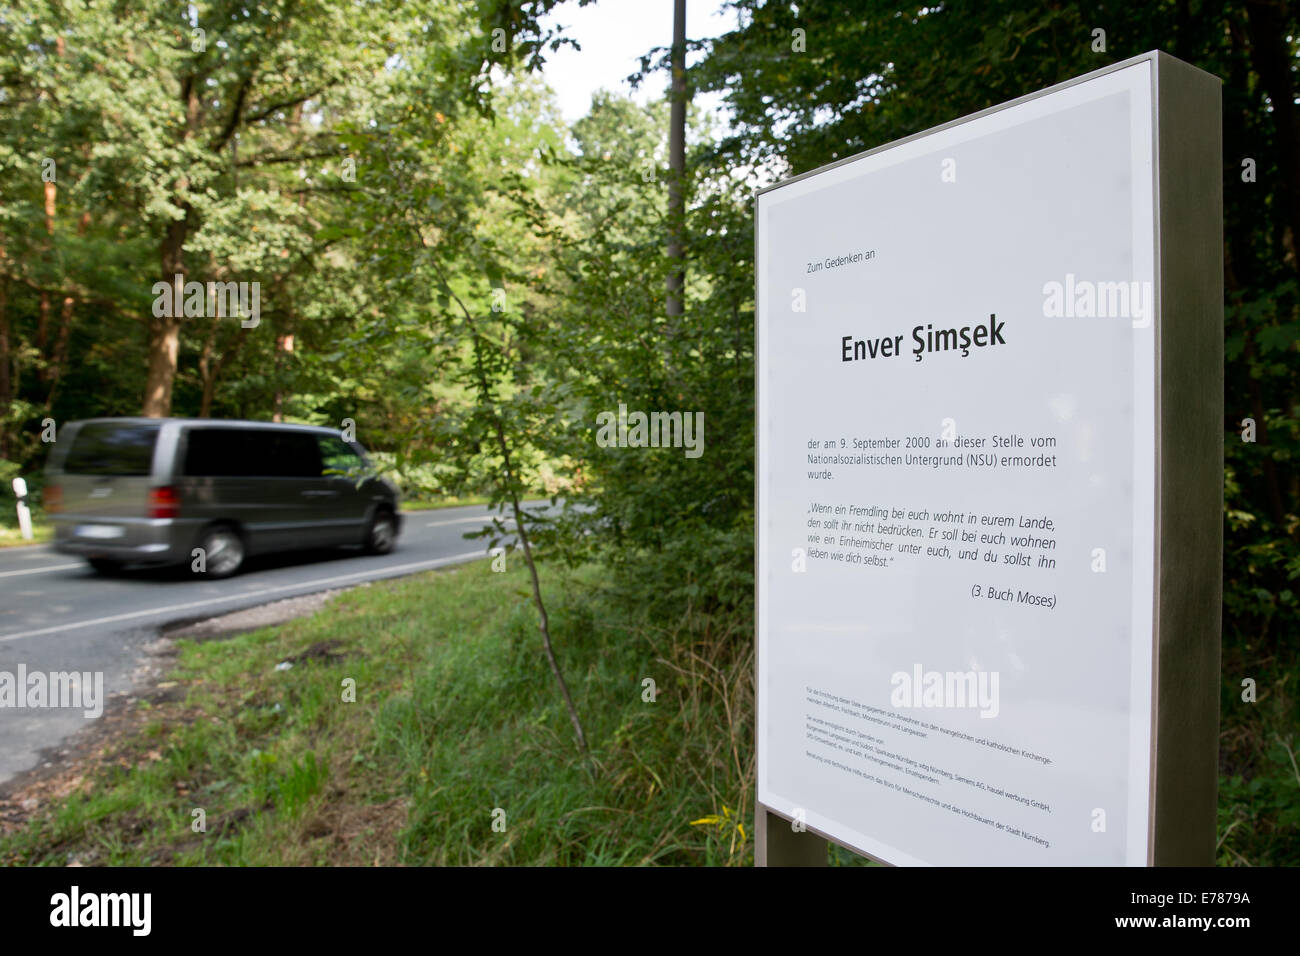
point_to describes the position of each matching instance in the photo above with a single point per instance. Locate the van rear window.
(112, 448)
(251, 452)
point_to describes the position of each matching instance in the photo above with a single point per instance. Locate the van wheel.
(382, 533)
(105, 565)
(223, 551)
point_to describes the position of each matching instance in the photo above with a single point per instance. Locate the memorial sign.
(989, 469)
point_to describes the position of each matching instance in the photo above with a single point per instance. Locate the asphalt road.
(57, 615)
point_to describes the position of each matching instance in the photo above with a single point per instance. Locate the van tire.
(381, 533)
(226, 544)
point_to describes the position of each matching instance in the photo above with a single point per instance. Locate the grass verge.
(11, 537)
(456, 726)
(421, 504)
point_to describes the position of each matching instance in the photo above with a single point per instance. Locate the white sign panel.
(956, 488)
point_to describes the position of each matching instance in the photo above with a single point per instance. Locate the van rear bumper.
(134, 540)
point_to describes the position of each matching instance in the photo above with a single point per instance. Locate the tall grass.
(482, 730)
(457, 726)
(456, 716)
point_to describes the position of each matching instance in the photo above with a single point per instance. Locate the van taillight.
(164, 502)
(53, 498)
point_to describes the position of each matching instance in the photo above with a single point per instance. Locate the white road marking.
(51, 567)
(482, 519)
(382, 572)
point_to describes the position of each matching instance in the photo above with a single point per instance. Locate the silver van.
(152, 490)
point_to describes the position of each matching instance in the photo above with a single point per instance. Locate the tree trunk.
(43, 322)
(165, 330)
(212, 360)
(208, 369)
(543, 619)
(59, 358)
(164, 345)
(677, 162)
(6, 386)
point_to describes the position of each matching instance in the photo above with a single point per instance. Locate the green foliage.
(1259, 816)
(455, 716)
(228, 123)
(489, 269)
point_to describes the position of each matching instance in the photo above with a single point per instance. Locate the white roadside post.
(24, 513)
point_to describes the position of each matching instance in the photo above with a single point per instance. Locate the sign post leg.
(776, 843)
